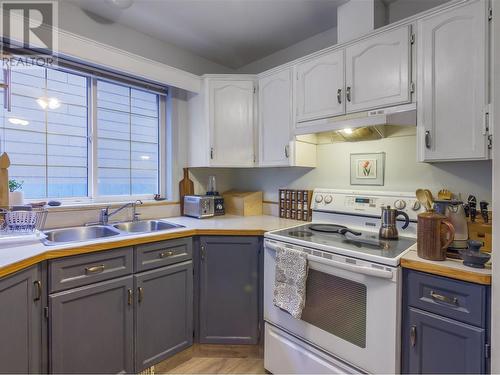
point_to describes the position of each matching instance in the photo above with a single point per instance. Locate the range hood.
(362, 126)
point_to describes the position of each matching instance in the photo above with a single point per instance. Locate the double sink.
(94, 232)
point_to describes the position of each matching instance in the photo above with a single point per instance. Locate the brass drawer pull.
(130, 293)
(38, 288)
(413, 335)
(95, 269)
(140, 290)
(166, 254)
(441, 298)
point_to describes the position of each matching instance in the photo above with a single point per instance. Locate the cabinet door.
(91, 328)
(229, 290)
(164, 313)
(21, 322)
(231, 108)
(439, 345)
(275, 118)
(319, 87)
(378, 71)
(452, 84)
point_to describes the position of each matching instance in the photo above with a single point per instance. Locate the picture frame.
(368, 168)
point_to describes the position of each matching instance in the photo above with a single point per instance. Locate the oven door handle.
(384, 274)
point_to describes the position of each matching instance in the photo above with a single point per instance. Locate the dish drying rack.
(22, 221)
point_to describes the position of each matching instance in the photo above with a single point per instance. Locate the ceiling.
(230, 32)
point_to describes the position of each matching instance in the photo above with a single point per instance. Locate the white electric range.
(351, 319)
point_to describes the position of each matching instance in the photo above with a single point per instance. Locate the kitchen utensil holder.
(23, 221)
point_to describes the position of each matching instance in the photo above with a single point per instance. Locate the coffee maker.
(218, 200)
(455, 212)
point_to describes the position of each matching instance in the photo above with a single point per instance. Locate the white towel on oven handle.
(290, 281)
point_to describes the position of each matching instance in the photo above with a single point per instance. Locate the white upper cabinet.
(320, 86)
(378, 71)
(221, 126)
(231, 122)
(277, 144)
(275, 118)
(452, 84)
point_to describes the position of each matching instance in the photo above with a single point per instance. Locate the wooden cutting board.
(186, 187)
(4, 180)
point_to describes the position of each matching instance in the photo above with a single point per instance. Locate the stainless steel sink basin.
(78, 234)
(145, 226)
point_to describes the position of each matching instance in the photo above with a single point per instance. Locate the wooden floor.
(215, 359)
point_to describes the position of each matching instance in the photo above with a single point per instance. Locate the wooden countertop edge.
(90, 248)
(453, 273)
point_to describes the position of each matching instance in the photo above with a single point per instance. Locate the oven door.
(351, 311)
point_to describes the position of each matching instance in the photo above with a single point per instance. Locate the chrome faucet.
(105, 214)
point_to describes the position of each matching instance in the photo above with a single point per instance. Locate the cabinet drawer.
(454, 299)
(85, 269)
(163, 253)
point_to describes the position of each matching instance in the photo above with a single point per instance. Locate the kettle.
(454, 211)
(388, 229)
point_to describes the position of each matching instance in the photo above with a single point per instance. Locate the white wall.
(395, 11)
(402, 172)
(405, 8)
(315, 43)
(74, 20)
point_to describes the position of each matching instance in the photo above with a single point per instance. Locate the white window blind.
(47, 147)
(128, 140)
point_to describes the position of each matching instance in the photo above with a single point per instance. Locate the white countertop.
(16, 254)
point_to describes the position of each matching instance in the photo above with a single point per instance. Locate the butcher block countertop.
(17, 257)
(452, 268)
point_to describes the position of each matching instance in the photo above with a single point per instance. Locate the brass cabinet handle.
(441, 298)
(140, 292)
(38, 289)
(166, 254)
(202, 253)
(427, 139)
(95, 269)
(130, 293)
(348, 93)
(339, 96)
(413, 335)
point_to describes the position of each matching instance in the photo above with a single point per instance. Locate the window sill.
(82, 206)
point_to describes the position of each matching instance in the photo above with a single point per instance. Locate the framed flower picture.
(367, 169)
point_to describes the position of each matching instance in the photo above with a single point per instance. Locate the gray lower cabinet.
(163, 314)
(229, 290)
(445, 325)
(21, 300)
(91, 328)
(439, 345)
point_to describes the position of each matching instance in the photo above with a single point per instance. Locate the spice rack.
(295, 204)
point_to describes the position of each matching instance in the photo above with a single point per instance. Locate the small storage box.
(243, 203)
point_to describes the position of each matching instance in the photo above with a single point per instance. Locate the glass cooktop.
(340, 237)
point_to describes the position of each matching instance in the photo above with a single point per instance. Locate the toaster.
(199, 206)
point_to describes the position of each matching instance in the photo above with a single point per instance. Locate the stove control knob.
(328, 199)
(416, 206)
(319, 198)
(400, 204)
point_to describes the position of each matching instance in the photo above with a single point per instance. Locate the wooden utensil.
(186, 187)
(423, 198)
(434, 234)
(4, 180)
(444, 195)
(429, 197)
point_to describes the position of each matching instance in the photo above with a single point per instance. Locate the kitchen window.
(78, 135)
